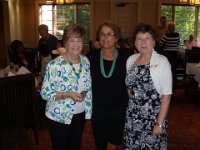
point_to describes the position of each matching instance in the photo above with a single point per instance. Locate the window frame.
(196, 31)
(77, 18)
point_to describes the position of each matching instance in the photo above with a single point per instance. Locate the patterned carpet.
(184, 130)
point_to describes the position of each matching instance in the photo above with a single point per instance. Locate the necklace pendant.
(77, 75)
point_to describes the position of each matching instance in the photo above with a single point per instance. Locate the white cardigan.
(160, 71)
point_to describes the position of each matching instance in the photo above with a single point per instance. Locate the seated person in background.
(46, 38)
(161, 30)
(17, 55)
(191, 42)
(45, 59)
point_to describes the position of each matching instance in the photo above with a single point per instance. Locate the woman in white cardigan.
(149, 83)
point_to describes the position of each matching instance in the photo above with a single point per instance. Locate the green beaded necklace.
(74, 70)
(112, 67)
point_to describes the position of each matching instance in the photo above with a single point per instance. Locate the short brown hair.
(43, 27)
(73, 30)
(116, 29)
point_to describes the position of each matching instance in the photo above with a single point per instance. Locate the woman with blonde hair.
(67, 90)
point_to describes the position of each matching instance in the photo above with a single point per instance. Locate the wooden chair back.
(192, 56)
(17, 104)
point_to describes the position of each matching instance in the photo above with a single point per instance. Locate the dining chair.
(186, 81)
(18, 107)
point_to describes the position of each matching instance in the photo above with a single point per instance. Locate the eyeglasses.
(109, 34)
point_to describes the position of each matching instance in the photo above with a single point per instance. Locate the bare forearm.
(163, 109)
(62, 95)
(75, 96)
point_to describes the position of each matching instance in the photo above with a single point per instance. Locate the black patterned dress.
(143, 108)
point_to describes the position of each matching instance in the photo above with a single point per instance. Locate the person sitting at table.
(17, 54)
(46, 58)
(191, 42)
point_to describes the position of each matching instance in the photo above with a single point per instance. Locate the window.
(185, 18)
(58, 16)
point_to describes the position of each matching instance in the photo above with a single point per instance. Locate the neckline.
(112, 67)
(77, 73)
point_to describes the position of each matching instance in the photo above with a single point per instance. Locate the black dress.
(109, 99)
(143, 108)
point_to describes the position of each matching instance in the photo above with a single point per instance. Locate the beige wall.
(149, 12)
(101, 12)
(3, 55)
(22, 21)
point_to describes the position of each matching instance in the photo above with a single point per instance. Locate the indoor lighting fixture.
(197, 2)
(49, 2)
(191, 2)
(184, 1)
(64, 1)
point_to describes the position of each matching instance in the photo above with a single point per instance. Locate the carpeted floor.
(183, 131)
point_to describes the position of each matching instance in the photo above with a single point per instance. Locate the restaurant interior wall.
(4, 32)
(23, 15)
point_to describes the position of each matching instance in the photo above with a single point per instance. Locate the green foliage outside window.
(78, 13)
(59, 16)
(184, 19)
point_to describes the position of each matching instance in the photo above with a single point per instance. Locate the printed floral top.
(59, 77)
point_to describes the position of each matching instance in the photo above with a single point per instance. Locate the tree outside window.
(184, 18)
(58, 16)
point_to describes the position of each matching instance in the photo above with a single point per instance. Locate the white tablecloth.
(194, 68)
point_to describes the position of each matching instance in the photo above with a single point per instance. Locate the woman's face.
(144, 42)
(107, 38)
(74, 45)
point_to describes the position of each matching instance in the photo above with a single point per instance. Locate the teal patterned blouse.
(59, 77)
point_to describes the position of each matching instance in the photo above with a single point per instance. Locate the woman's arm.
(78, 97)
(157, 130)
(165, 82)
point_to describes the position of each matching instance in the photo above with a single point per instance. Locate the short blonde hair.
(73, 30)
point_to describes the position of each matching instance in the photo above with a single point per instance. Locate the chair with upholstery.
(186, 81)
(18, 107)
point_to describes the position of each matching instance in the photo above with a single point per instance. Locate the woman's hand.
(77, 97)
(157, 130)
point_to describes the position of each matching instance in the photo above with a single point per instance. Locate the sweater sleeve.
(48, 91)
(165, 77)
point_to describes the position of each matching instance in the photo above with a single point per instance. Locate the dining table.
(194, 68)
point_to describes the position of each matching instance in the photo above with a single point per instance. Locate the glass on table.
(16, 67)
(11, 65)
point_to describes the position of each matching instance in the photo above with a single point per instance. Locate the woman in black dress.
(149, 82)
(108, 71)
